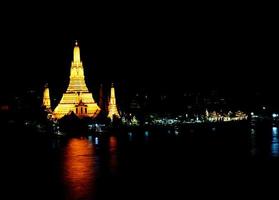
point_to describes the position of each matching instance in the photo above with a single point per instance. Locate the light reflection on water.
(82, 161)
(253, 149)
(130, 134)
(79, 168)
(81, 165)
(275, 142)
(90, 138)
(146, 136)
(96, 140)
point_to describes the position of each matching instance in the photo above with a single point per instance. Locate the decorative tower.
(112, 108)
(46, 99)
(77, 98)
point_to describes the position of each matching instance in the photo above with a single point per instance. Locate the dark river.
(143, 164)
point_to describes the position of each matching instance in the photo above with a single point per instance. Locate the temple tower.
(112, 108)
(77, 98)
(46, 98)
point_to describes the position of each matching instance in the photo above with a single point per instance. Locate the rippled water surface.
(140, 164)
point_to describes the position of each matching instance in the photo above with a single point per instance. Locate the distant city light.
(274, 115)
(212, 116)
(252, 113)
(176, 132)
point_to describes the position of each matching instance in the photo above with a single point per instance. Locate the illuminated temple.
(46, 99)
(77, 98)
(112, 108)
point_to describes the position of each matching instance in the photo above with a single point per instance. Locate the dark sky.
(177, 47)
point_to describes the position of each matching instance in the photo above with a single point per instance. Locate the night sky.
(145, 46)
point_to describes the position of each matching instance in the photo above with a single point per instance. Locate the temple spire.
(77, 97)
(77, 79)
(46, 98)
(76, 53)
(112, 108)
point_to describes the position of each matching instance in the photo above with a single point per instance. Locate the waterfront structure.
(112, 107)
(77, 98)
(46, 99)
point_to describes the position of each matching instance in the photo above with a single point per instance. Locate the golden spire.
(46, 98)
(77, 81)
(112, 95)
(77, 93)
(76, 53)
(112, 108)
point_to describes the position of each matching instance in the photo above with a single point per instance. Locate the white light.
(274, 115)
(96, 140)
(252, 113)
(264, 107)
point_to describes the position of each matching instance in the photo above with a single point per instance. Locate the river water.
(175, 163)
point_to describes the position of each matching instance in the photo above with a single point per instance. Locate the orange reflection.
(113, 153)
(79, 171)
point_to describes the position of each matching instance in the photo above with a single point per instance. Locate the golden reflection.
(79, 171)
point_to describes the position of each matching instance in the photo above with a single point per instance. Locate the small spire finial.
(76, 52)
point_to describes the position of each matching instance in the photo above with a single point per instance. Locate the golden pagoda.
(112, 108)
(46, 99)
(77, 98)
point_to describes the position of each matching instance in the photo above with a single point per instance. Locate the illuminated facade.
(230, 116)
(46, 99)
(112, 108)
(77, 98)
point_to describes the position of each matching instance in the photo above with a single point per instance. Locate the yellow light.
(46, 98)
(78, 168)
(112, 108)
(77, 98)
